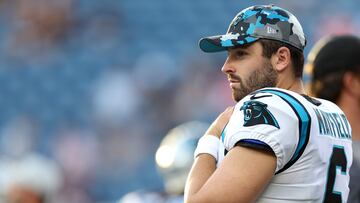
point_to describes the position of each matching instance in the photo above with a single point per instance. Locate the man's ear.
(351, 82)
(281, 59)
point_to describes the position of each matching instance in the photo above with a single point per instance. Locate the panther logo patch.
(256, 112)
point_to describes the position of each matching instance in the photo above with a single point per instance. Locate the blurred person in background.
(76, 151)
(26, 176)
(334, 64)
(174, 158)
(31, 179)
(39, 30)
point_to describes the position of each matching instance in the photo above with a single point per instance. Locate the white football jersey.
(311, 139)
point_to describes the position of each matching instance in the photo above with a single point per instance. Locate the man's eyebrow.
(237, 48)
(242, 49)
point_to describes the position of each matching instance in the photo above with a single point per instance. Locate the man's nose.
(228, 67)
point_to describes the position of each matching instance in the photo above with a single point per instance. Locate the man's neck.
(295, 85)
(351, 108)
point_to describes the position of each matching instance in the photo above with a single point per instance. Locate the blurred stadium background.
(95, 85)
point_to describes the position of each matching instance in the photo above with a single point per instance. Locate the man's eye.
(239, 54)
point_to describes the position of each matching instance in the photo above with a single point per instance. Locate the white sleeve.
(267, 118)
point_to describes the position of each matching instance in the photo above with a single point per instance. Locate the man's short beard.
(260, 78)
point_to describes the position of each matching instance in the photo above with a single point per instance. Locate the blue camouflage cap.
(258, 22)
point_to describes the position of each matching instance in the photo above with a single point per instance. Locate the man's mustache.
(232, 77)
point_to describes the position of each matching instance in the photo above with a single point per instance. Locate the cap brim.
(211, 44)
(217, 43)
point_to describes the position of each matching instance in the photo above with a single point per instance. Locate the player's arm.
(241, 177)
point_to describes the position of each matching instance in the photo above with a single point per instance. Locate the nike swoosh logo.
(255, 97)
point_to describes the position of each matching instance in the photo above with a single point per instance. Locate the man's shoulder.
(270, 106)
(274, 104)
(283, 93)
(272, 97)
